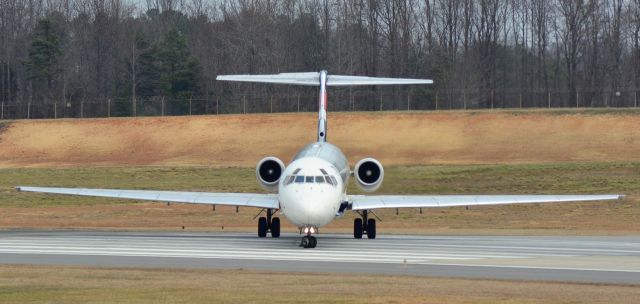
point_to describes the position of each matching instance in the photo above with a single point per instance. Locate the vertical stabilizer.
(322, 108)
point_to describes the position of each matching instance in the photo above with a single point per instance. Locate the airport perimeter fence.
(339, 100)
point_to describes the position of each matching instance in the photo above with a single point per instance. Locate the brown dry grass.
(394, 138)
(53, 284)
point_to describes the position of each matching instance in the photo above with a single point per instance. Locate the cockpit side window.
(309, 179)
(299, 179)
(329, 181)
(290, 179)
(320, 179)
(335, 182)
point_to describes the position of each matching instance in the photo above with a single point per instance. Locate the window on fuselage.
(309, 179)
(320, 179)
(335, 181)
(299, 179)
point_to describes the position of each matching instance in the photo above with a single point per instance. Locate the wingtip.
(621, 197)
(19, 189)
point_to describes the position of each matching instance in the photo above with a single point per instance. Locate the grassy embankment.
(50, 284)
(28, 210)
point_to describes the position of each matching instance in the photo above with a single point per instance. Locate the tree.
(44, 55)
(180, 72)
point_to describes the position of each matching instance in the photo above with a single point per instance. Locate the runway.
(579, 259)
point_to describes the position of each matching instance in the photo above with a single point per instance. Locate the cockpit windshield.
(319, 179)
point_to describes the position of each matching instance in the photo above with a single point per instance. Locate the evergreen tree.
(147, 67)
(180, 71)
(44, 54)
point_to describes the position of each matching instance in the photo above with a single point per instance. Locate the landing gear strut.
(364, 225)
(269, 224)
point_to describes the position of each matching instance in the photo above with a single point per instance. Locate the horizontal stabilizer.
(313, 79)
(341, 80)
(309, 79)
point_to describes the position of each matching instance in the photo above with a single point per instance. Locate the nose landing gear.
(269, 223)
(308, 241)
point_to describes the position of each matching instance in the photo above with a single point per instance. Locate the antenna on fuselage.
(321, 79)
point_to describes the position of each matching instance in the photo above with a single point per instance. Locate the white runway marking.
(606, 254)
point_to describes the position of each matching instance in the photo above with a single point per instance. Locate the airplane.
(311, 191)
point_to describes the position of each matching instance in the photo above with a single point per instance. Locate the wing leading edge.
(269, 201)
(362, 202)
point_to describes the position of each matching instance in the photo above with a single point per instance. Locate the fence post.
(82, 108)
(635, 99)
(108, 107)
(577, 99)
(244, 104)
(217, 105)
(464, 99)
(408, 100)
(520, 99)
(298, 103)
(55, 110)
(549, 99)
(2, 115)
(29, 110)
(492, 93)
(190, 97)
(162, 106)
(380, 102)
(436, 100)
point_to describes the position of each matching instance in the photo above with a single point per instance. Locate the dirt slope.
(393, 138)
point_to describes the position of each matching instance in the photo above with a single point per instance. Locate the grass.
(28, 210)
(53, 284)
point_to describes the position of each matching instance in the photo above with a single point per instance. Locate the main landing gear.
(364, 225)
(269, 224)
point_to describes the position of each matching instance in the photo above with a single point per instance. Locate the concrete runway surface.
(593, 259)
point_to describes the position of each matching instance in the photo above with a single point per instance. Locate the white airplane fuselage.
(313, 185)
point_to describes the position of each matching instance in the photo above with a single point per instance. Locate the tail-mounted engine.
(369, 174)
(268, 172)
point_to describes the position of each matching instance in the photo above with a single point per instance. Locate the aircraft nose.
(308, 208)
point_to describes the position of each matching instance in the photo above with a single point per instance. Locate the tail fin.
(321, 79)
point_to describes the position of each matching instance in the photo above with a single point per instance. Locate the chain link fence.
(339, 100)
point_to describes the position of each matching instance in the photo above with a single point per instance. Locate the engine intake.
(268, 172)
(369, 174)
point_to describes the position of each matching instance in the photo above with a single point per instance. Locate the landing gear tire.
(371, 229)
(275, 227)
(357, 228)
(262, 227)
(308, 241)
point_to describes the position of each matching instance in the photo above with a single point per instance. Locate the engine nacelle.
(269, 171)
(369, 174)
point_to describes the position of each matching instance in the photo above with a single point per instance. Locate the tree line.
(485, 53)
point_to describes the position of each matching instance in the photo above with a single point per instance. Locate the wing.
(269, 201)
(363, 202)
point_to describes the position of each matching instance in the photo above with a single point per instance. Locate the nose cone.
(307, 205)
